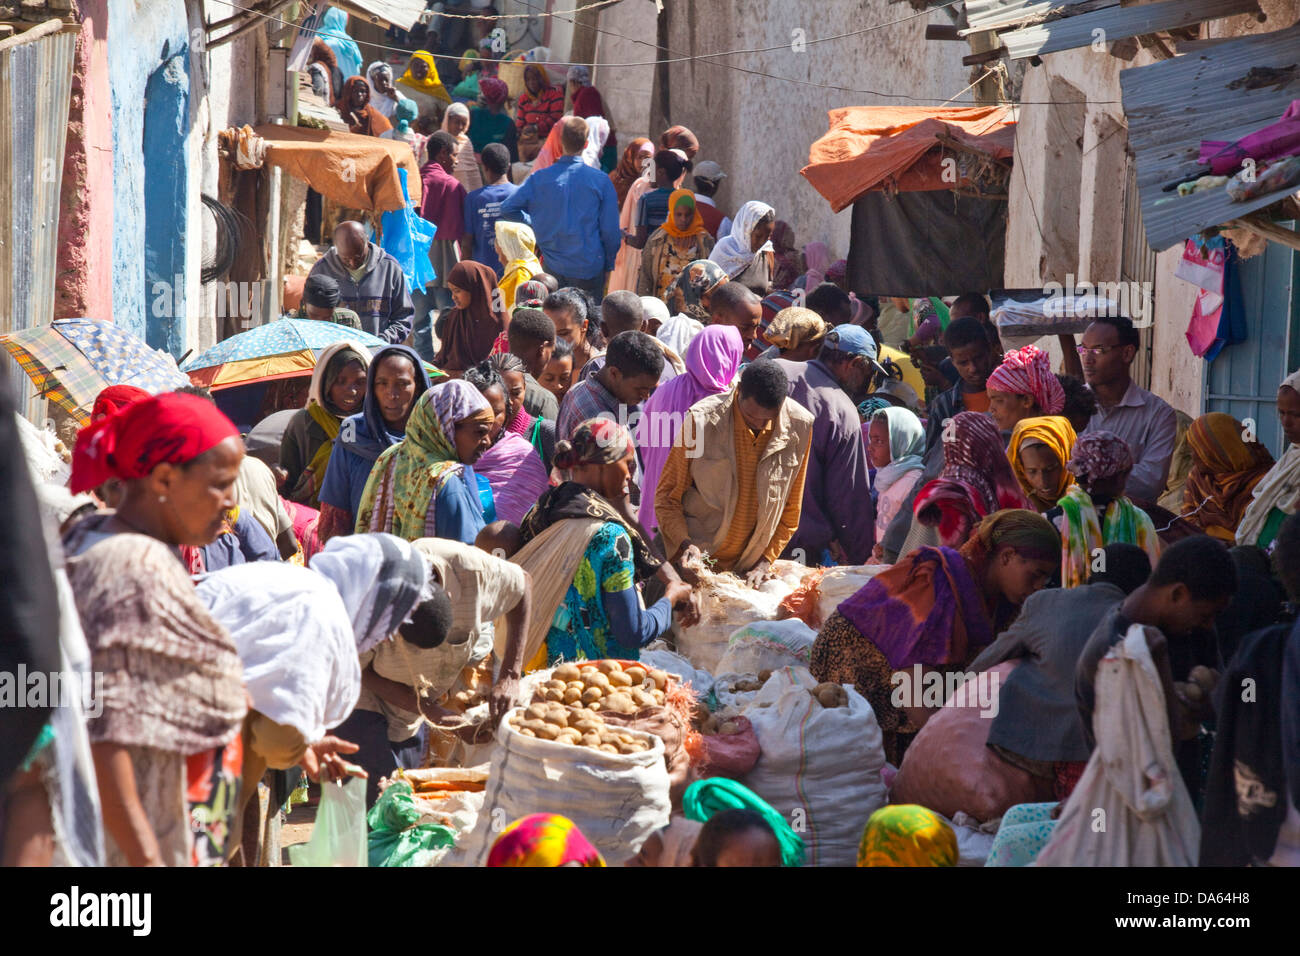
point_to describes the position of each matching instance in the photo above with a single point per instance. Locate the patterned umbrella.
(280, 349)
(72, 360)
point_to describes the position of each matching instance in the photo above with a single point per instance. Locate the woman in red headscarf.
(354, 106)
(166, 744)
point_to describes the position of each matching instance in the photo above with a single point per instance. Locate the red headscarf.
(115, 398)
(167, 428)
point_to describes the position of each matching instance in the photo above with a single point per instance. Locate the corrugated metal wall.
(35, 89)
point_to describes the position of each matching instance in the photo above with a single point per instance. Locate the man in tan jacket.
(733, 483)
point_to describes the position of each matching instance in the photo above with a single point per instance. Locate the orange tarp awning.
(359, 172)
(869, 147)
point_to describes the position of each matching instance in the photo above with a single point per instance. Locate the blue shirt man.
(574, 213)
(483, 206)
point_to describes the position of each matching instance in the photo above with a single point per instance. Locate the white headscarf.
(906, 445)
(295, 641)
(456, 109)
(379, 101)
(597, 133)
(381, 579)
(732, 251)
(316, 391)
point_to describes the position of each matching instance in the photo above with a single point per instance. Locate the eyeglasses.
(1095, 349)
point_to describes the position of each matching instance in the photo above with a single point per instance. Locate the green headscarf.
(704, 798)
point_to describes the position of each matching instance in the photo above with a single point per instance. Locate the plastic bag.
(397, 838)
(767, 646)
(726, 602)
(407, 238)
(724, 755)
(338, 838)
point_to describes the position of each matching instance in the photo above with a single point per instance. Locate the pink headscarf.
(712, 360)
(1028, 371)
(515, 471)
(818, 259)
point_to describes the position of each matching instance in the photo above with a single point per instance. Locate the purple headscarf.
(712, 360)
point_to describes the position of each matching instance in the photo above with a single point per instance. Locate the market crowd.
(615, 390)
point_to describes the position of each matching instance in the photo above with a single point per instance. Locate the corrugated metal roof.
(402, 14)
(1074, 28)
(1173, 105)
(35, 89)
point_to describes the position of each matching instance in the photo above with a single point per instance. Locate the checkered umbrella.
(71, 361)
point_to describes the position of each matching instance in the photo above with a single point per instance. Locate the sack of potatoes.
(604, 685)
(577, 726)
(830, 694)
(716, 726)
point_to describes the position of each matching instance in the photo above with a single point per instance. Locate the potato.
(566, 673)
(608, 667)
(608, 748)
(642, 698)
(535, 712)
(587, 673)
(764, 675)
(659, 697)
(600, 680)
(572, 695)
(729, 727)
(569, 736)
(620, 679)
(552, 694)
(591, 740)
(547, 731)
(559, 719)
(620, 704)
(638, 675)
(594, 706)
(660, 678)
(592, 695)
(588, 726)
(525, 732)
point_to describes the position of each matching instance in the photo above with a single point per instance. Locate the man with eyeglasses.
(1146, 422)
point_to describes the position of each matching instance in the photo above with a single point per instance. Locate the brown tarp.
(357, 172)
(886, 147)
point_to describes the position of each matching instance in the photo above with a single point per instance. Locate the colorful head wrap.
(431, 85)
(704, 798)
(794, 327)
(170, 428)
(872, 404)
(1099, 454)
(115, 398)
(675, 199)
(597, 441)
(692, 284)
(1028, 371)
(1051, 430)
(543, 839)
(907, 835)
(1225, 470)
(493, 90)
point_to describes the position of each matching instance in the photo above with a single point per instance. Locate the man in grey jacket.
(371, 283)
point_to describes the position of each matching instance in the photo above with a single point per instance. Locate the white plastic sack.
(665, 660)
(731, 702)
(767, 646)
(839, 584)
(1130, 807)
(617, 800)
(338, 837)
(726, 602)
(819, 767)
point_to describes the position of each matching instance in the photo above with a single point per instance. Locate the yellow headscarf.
(430, 85)
(520, 247)
(697, 224)
(1051, 430)
(907, 835)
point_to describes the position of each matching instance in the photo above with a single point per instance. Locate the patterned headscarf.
(907, 835)
(543, 839)
(976, 480)
(1028, 371)
(1225, 471)
(869, 406)
(579, 74)
(1057, 434)
(492, 90)
(597, 441)
(402, 492)
(1099, 454)
(692, 284)
(793, 327)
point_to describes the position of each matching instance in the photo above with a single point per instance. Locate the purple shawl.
(516, 474)
(927, 609)
(712, 360)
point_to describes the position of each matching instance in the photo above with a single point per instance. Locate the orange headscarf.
(1225, 470)
(697, 223)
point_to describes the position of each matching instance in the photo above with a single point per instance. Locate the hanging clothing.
(712, 361)
(976, 481)
(1057, 434)
(419, 488)
(468, 333)
(308, 440)
(519, 245)
(733, 252)
(1225, 471)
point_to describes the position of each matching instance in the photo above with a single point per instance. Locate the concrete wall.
(759, 129)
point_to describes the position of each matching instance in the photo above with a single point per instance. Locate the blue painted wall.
(166, 126)
(144, 38)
